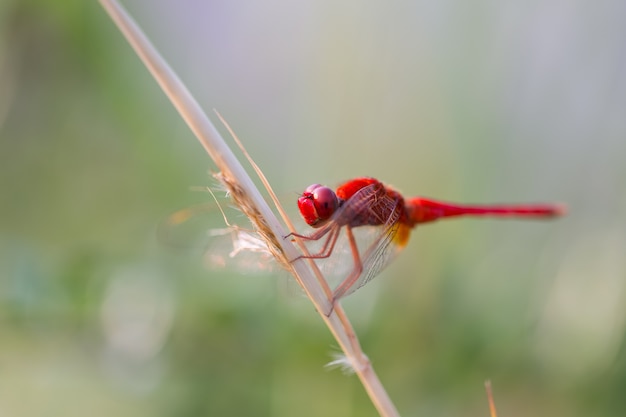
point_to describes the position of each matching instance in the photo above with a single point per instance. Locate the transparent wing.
(207, 230)
(378, 256)
(380, 247)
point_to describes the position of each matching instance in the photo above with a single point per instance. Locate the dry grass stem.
(492, 404)
(250, 200)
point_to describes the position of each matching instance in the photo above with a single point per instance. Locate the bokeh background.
(479, 101)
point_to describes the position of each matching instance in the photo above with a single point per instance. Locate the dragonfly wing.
(378, 256)
(378, 244)
(205, 230)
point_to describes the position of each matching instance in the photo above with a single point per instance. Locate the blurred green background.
(477, 102)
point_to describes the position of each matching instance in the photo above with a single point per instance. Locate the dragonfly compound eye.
(317, 204)
(325, 201)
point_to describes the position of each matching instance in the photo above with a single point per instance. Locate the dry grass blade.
(492, 404)
(249, 199)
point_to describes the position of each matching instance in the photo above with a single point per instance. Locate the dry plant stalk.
(492, 404)
(250, 201)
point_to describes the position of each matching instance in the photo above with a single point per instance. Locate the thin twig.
(492, 404)
(251, 202)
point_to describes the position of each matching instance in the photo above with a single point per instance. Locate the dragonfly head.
(317, 204)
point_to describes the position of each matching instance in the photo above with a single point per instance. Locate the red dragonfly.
(367, 203)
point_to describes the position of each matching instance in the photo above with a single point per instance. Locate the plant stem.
(252, 203)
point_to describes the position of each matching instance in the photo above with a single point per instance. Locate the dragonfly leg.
(317, 235)
(327, 248)
(352, 278)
